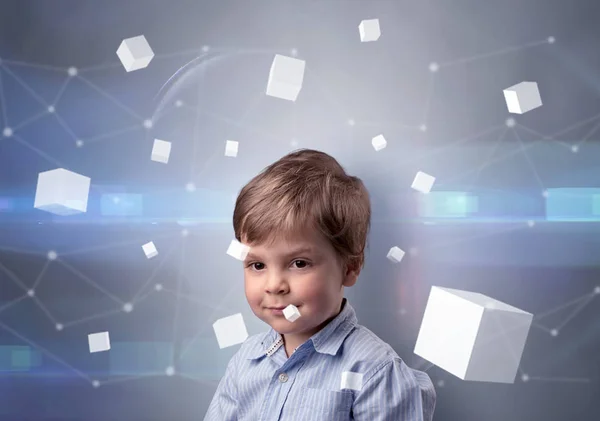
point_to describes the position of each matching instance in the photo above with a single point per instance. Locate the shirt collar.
(327, 341)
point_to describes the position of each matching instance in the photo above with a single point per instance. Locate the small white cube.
(230, 330)
(99, 342)
(472, 336)
(395, 254)
(423, 182)
(135, 53)
(291, 313)
(522, 97)
(150, 250)
(351, 380)
(379, 142)
(62, 192)
(285, 77)
(161, 150)
(369, 30)
(238, 250)
(231, 148)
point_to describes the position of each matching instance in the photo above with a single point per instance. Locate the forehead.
(284, 245)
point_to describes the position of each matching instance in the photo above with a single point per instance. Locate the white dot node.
(440, 383)
(525, 377)
(52, 255)
(545, 193)
(158, 287)
(79, 143)
(530, 223)
(59, 326)
(190, 187)
(554, 332)
(510, 122)
(294, 143)
(294, 52)
(597, 290)
(7, 132)
(434, 67)
(423, 127)
(148, 124)
(413, 251)
(31, 293)
(551, 40)
(575, 148)
(402, 311)
(205, 48)
(185, 232)
(351, 122)
(72, 71)
(96, 383)
(170, 371)
(51, 109)
(179, 103)
(128, 308)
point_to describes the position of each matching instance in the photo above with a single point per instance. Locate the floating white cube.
(62, 192)
(238, 250)
(291, 313)
(351, 380)
(230, 330)
(285, 77)
(379, 142)
(395, 254)
(150, 250)
(423, 182)
(135, 53)
(522, 97)
(161, 150)
(369, 30)
(473, 336)
(99, 342)
(231, 148)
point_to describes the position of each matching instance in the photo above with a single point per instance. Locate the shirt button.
(283, 377)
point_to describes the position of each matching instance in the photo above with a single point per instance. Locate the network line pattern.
(9, 73)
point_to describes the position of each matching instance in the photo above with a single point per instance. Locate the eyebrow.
(309, 250)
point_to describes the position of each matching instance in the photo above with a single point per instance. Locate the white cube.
(369, 30)
(161, 150)
(150, 250)
(379, 142)
(62, 192)
(423, 182)
(522, 97)
(472, 336)
(230, 330)
(99, 342)
(285, 77)
(135, 53)
(291, 313)
(395, 254)
(351, 380)
(231, 148)
(238, 250)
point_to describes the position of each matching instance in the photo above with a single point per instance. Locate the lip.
(278, 308)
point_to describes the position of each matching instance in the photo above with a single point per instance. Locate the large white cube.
(369, 30)
(291, 313)
(395, 254)
(135, 53)
(238, 250)
(423, 182)
(472, 336)
(379, 142)
(150, 250)
(161, 150)
(285, 77)
(230, 330)
(62, 192)
(351, 380)
(99, 342)
(522, 97)
(231, 148)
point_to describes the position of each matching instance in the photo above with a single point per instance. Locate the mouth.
(279, 308)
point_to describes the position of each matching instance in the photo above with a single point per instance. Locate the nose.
(276, 283)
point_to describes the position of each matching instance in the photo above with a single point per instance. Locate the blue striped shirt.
(307, 385)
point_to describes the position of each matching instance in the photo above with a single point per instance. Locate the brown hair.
(302, 190)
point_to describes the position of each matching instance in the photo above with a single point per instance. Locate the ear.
(352, 270)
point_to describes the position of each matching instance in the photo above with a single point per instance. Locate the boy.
(306, 222)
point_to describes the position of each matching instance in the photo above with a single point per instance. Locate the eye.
(301, 262)
(253, 266)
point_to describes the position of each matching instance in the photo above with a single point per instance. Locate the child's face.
(279, 274)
